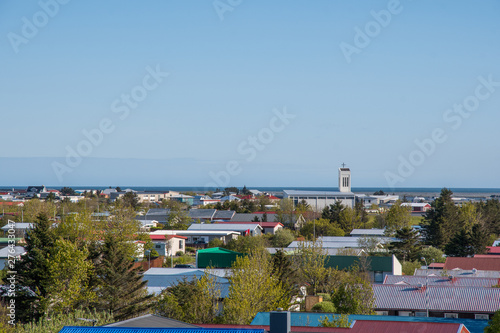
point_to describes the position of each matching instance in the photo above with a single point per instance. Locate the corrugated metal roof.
(88, 329)
(442, 281)
(312, 319)
(487, 264)
(453, 299)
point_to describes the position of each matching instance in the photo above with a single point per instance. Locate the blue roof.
(312, 319)
(89, 329)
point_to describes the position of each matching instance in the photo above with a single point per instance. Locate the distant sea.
(408, 191)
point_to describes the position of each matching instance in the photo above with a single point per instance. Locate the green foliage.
(67, 283)
(34, 270)
(311, 264)
(194, 301)
(215, 242)
(320, 227)
(286, 273)
(253, 289)
(408, 246)
(408, 267)
(325, 306)
(248, 244)
(397, 218)
(67, 191)
(54, 323)
(354, 295)
(493, 324)
(130, 199)
(283, 238)
(179, 253)
(120, 288)
(341, 320)
(326, 297)
(433, 254)
(441, 221)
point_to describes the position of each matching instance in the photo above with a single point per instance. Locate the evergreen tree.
(441, 221)
(407, 247)
(120, 288)
(460, 245)
(33, 270)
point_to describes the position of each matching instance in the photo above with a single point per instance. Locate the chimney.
(280, 321)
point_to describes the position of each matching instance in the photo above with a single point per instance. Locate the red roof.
(363, 326)
(489, 263)
(436, 265)
(176, 236)
(164, 237)
(493, 249)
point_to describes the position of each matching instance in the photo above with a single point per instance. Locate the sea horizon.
(422, 191)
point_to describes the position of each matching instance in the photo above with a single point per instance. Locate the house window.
(481, 316)
(180, 244)
(451, 315)
(404, 313)
(158, 246)
(420, 314)
(378, 276)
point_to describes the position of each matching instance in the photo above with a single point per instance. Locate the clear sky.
(262, 93)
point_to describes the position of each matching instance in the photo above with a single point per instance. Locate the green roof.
(217, 257)
(6, 240)
(216, 250)
(345, 262)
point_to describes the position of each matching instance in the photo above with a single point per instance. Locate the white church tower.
(344, 179)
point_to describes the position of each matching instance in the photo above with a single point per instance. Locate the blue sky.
(277, 72)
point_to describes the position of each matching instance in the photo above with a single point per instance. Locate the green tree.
(310, 264)
(493, 324)
(320, 227)
(67, 191)
(397, 217)
(285, 212)
(407, 246)
(120, 288)
(409, 267)
(130, 199)
(460, 245)
(253, 289)
(354, 295)
(332, 212)
(283, 238)
(341, 320)
(33, 271)
(431, 253)
(441, 221)
(284, 270)
(68, 278)
(248, 244)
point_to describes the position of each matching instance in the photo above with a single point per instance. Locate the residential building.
(242, 229)
(439, 301)
(168, 245)
(268, 227)
(201, 236)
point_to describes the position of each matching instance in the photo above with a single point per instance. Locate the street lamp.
(426, 286)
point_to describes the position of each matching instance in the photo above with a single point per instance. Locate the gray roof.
(224, 214)
(18, 250)
(239, 217)
(371, 232)
(458, 273)
(158, 211)
(441, 281)
(151, 320)
(296, 193)
(160, 279)
(19, 225)
(202, 213)
(223, 226)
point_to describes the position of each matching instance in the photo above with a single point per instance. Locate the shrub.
(325, 306)
(179, 253)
